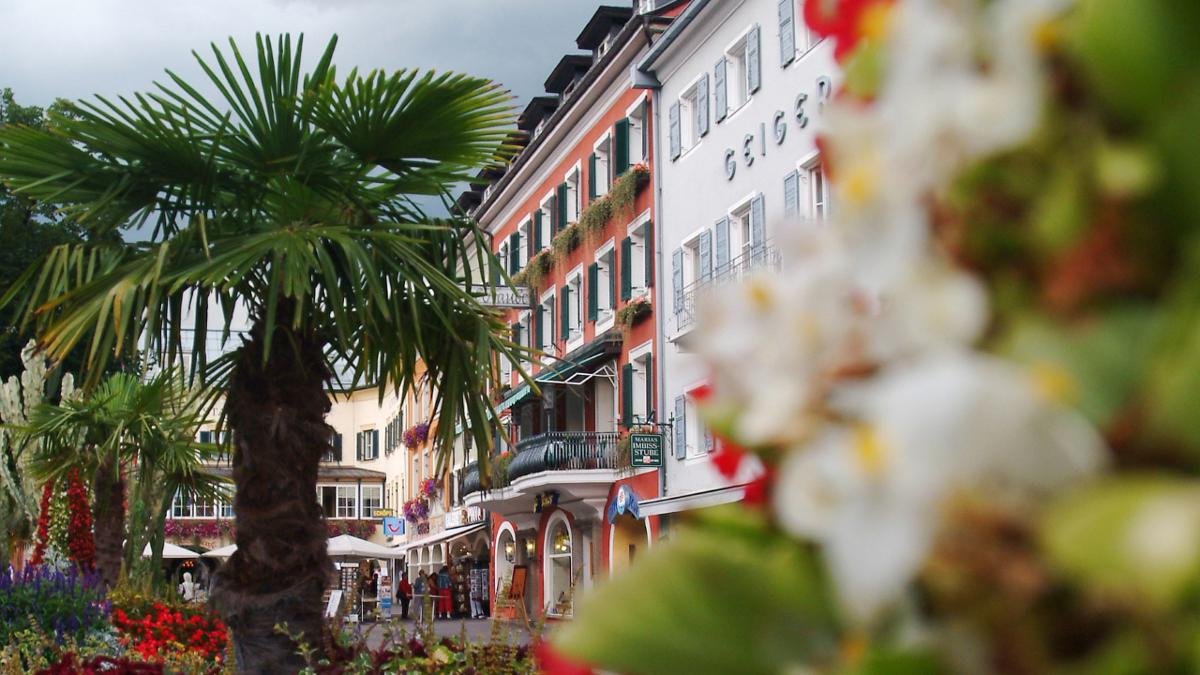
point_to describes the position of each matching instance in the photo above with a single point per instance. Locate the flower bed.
(63, 604)
(153, 629)
(196, 530)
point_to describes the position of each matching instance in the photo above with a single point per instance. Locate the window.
(227, 507)
(601, 285)
(505, 259)
(545, 323)
(818, 202)
(372, 498)
(638, 138)
(689, 124)
(205, 508)
(524, 234)
(548, 214)
(368, 445)
(181, 505)
(636, 271)
(572, 212)
(571, 314)
(347, 501)
(526, 324)
(637, 387)
(740, 239)
(559, 569)
(334, 452)
(600, 167)
(737, 86)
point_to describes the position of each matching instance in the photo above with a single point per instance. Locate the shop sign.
(384, 513)
(502, 297)
(392, 526)
(646, 450)
(755, 142)
(544, 500)
(626, 502)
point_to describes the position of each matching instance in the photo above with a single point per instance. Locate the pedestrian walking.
(420, 590)
(444, 582)
(405, 590)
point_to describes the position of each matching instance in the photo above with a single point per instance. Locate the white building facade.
(740, 86)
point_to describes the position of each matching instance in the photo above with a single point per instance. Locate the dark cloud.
(75, 48)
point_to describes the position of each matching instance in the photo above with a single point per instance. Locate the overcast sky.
(76, 48)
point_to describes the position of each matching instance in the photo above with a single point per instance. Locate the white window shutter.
(677, 278)
(705, 246)
(721, 246)
(702, 106)
(758, 224)
(791, 194)
(676, 137)
(719, 89)
(787, 31)
(680, 427)
(754, 59)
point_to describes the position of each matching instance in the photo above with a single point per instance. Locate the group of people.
(432, 593)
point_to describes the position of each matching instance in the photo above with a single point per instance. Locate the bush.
(418, 653)
(154, 629)
(64, 604)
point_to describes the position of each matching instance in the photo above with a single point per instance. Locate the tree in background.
(293, 195)
(29, 229)
(19, 492)
(126, 428)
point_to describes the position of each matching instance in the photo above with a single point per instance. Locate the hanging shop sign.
(755, 143)
(392, 526)
(502, 297)
(384, 513)
(625, 502)
(646, 450)
(544, 500)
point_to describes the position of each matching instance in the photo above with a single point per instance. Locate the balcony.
(578, 465)
(566, 451)
(766, 257)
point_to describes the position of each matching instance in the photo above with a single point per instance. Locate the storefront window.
(372, 498)
(347, 501)
(559, 569)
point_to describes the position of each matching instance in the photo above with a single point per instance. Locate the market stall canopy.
(223, 552)
(172, 552)
(346, 546)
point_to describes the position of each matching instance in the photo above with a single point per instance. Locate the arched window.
(506, 556)
(559, 567)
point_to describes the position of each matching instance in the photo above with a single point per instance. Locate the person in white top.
(187, 589)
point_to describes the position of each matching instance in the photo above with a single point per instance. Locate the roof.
(668, 38)
(601, 24)
(326, 472)
(631, 29)
(570, 68)
(538, 108)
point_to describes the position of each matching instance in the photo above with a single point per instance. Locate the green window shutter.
(649, 385)
(337, 447)
(539, 326)
(626, 268)
(753, 59)
(591, 177)
(648, 247)
(514, 255)
(564, 312)
(537, 231)
(680, 427)
(561, 202)
(621, 147)
(358, 446)
(627, 395)
(593, 291)
(206, 437)
(374, 444)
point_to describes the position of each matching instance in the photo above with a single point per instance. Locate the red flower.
(728, 458)
(758, 491)
(848, 22)
(551, 662)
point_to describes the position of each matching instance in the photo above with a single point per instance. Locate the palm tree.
(298, 197)
(126, 426)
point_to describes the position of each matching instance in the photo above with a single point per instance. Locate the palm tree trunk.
(280, 569)
(108, 520)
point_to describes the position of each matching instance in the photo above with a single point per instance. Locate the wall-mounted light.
(510, 549)
(530, 547)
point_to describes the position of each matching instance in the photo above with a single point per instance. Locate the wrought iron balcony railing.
(567, 451)
(763, 257)
(471, 481)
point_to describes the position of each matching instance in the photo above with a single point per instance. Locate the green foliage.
(1135, 536)
(617, 203)
(633, 312)
(722, 597)
(64, 604)
(536, 271)
(566, 241)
